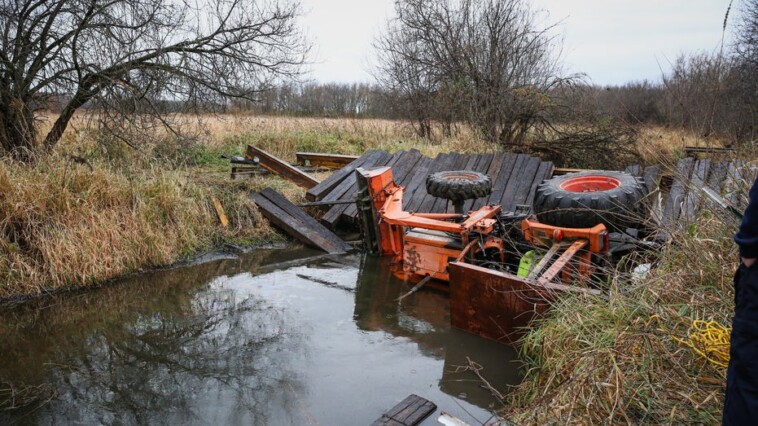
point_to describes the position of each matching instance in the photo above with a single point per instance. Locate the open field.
(70, 224)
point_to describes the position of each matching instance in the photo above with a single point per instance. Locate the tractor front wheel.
(459, 185)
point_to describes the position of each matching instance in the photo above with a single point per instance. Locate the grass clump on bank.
(66, 225)
(616, 359)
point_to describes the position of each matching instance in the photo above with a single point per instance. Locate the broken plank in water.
(305, 218)
(282, 168)
(409, 412)
(283, 217)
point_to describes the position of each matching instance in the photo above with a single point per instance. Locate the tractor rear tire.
(585, 199)
(458, 185)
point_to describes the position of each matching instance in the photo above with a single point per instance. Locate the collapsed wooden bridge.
(497, 294)
(514, 181)
(675, 195)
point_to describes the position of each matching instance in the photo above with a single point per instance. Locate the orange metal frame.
(428, 255)
(388, 201)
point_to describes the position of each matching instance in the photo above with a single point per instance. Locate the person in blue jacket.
(741, 401)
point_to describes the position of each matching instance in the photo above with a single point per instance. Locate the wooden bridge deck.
(514, 176)
(678, 199)
(674, 191)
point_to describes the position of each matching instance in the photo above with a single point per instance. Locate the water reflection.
(263, 339)
(424, 317)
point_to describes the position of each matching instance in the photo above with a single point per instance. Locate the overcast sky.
(612, 41)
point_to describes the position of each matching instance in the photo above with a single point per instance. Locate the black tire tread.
(448, 185)
(618, 208)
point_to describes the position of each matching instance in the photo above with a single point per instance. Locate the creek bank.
(227, 252)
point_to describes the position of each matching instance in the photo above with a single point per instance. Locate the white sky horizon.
(612, 42)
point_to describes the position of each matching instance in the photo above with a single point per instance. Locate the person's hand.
(748, 261)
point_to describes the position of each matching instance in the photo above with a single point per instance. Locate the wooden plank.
(333, 216)
(321, 159)
(652, 176)
(400, 169)
(691, 204)
(417, 183)
(305, 218)
(509, 176)
(500, 177)
(282, 168)
(545, 171)
(327, 185)
(404, 169)
(673, 204)
(734, 183)
(292, 226)
(717, 175)
(339, 191)
(222, 218)
(634, 170)
(493, 170)
(522, 184)
(409, 412)
(481, 166)
(247, 170)
(690, 150)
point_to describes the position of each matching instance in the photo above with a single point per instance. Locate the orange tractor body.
(426, 243)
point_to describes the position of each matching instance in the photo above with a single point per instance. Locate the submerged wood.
(409, 412)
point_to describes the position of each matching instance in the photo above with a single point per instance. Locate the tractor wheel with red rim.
(585, 199)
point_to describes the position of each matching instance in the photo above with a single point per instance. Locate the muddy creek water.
(273, 337)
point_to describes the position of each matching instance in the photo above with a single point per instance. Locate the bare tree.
(407, 71)
(490, 55)
(746, 67)
(135, 56)
(746, 47)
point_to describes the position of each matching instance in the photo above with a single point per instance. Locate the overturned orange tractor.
(497, 284)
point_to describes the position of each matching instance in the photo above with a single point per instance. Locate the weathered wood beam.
(297, 223)
(281, 168)
(319, 159)
(409, 412)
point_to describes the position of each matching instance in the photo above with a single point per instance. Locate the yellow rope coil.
(709, 339)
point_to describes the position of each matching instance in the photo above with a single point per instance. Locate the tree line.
(490, 64)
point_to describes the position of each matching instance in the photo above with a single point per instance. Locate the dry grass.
(615, 359)
(65, 225)
(660, 143)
